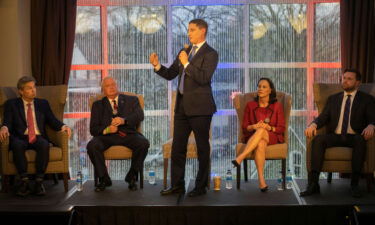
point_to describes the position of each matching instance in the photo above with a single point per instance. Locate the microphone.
(267, 120)
(186, 47)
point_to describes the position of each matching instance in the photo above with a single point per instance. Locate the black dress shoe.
(173, 190)
(39, 188)
(197, 192)
(356, 193)
(265, 189)
(24, 189)
(132, 184)
(312, 188)
(235, 164)
(103, 183)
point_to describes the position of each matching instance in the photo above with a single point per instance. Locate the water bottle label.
(229, 178)
(151, 173)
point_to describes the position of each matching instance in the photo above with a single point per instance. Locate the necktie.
(191, 55)
(115, 107)
(30, 124)
(345, 120)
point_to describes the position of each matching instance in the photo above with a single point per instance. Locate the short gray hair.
(23, 80)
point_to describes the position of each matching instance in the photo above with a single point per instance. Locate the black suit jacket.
(15, 119)
(128, 108)
(362, 112)
(198, 98)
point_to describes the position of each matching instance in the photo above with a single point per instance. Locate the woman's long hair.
(273, 90)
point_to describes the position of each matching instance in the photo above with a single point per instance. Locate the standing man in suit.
(195, 105)
(114, 121)
(25, 120)
(349, 117)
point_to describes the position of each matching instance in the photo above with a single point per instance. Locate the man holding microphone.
(195, 105)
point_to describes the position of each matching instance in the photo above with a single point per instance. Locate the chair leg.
(239, 177)
(65, 178)
(55, 178)
(245, 169)
(4, 183)
(166, 162)
(209, 175)
(329, 177)
(369, 181)
(141, 176)
(283, 169)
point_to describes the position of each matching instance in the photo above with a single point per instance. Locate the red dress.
(274, 112)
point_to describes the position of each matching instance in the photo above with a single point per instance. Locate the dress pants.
(135, 141)
(355, 141)
(183, 125)
(20, 144)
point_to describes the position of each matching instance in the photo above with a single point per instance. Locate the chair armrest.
(61, 140)
(309, 149)
(370, 155)
(4, 154)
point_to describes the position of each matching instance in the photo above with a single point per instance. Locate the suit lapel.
(107, 106)
(338, 107)
(355, 106)
(21, 109)
(37, 112)
(200, 51)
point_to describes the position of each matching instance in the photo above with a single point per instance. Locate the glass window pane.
(225, 29)
(277, 33)
(82, 85)
(153, 88)
(291, 81)
(135, 32)
(88, 41)
(327, 75)
(226, 81)
(327, 32)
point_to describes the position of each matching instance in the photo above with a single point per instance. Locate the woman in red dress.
(263, 124)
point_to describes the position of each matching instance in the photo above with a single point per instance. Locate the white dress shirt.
(339, 125)
(37, 132)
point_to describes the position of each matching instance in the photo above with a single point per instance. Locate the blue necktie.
(345, 120)
(181, 86)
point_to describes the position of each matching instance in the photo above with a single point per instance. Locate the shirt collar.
(352, 94)
(110, 100)
(199, 45)
(25, 102)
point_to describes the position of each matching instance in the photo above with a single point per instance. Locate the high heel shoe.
(235, 164)
(265, 189)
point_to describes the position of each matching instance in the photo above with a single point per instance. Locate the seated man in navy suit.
(114, 121)
(349, 117)
(25, 119)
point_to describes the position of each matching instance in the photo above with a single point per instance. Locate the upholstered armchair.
(118, 152)
(192, 152)
(338, 159)
(273, 152)
(59, 154)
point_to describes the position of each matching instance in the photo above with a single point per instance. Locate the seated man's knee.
(93, 145)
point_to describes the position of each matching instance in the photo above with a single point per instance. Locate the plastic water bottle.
(151, 175)
(289, 180)
(228, 180)
(79, 183)
(280, 182)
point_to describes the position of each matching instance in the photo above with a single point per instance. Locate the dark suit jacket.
(198, 98)
(128, 108)
(362, 112)
(15, 119)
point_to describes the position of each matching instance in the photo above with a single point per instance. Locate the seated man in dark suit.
(349, 117)
(114, 121)
(25, 119)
